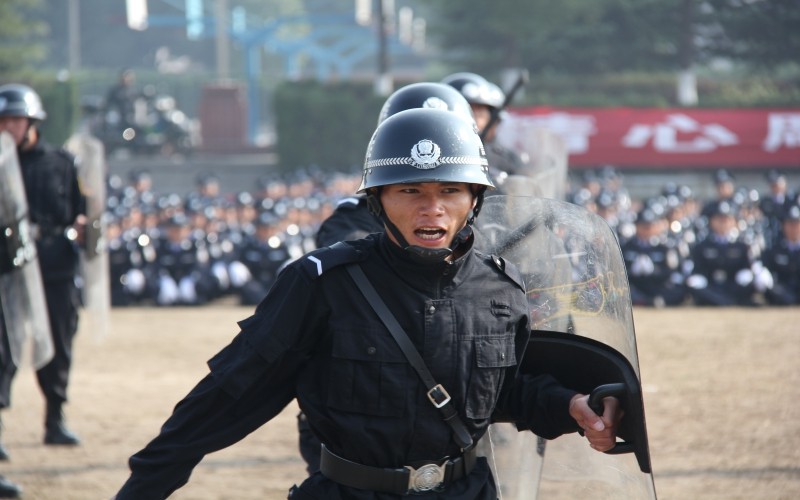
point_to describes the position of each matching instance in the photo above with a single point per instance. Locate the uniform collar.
(422, 275)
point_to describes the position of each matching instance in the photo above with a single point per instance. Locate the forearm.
(539, 404)
(207, 420)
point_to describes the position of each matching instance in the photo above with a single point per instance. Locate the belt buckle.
(426, 478)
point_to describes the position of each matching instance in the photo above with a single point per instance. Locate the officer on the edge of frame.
(316, 339)
(56, 210)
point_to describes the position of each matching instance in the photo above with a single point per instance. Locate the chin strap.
(425, 255)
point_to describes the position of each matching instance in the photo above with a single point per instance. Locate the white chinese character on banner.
(665, 135)
(783, 131)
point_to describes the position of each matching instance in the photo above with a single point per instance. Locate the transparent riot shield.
(90, 159)
(21, 290)
(546, 172)
(583, 334)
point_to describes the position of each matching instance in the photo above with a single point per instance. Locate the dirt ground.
(721, 388)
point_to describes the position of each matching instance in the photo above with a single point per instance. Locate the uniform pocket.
(493, 356)
(369, 373)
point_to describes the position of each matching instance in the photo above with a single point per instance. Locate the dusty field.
(722, 397)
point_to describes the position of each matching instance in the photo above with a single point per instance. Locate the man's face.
(17, 126)
(482, 115)
(428, 214)
(722, 224)
(791, 229)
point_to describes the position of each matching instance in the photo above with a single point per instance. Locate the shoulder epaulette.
(319, 261)
(509, 269)
(350, 203)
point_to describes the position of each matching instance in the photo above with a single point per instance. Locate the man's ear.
(475, 190)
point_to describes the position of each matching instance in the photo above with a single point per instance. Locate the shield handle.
(619, 391)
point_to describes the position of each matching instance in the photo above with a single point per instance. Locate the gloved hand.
(239, 274)
(167, 291)
(220, 272)
(697, 281)
(188, 290)
(134, 281)
(642, 266)
(762, 277)
(744, 277)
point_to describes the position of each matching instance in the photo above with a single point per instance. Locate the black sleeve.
(251, 381)
(206, 420)
(541, 404)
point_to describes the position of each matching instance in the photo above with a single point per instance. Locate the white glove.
(220, 272)
(642, 266)
(239, 274)
(167, 291)
(134, 281)
(762, 277)
(697, 281)
(744, 277)
(187, 290)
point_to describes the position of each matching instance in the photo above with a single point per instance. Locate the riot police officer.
(181, 266)
(56, 207)
(487, 99)
(315, 338)
(783, 261)
(774, 204)
(654, 266)
(724, 267)
(353, 218)
(262, 254)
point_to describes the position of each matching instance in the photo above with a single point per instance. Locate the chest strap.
(437, 394)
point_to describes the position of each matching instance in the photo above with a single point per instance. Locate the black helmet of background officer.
(426, 95)
(20, 110)
(483, 96)
(420, 146)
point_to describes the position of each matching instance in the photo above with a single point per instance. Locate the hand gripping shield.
(90, 158)
(583, 335)
(21, 290)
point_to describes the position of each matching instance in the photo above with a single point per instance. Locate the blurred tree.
(21, 36)
(580, 38)
(570, 36)
(760, 33)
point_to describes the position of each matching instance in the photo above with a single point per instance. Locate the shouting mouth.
(430, 233)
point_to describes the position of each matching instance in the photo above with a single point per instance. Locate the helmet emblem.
(435, 103)
(425, 154)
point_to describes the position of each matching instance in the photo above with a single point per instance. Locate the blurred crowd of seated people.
(741, 248)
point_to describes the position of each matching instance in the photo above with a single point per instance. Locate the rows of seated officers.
(740, 248)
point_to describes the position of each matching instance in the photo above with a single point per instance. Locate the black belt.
(401, 481)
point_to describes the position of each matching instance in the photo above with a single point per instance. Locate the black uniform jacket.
(315, 338)
(54, 202)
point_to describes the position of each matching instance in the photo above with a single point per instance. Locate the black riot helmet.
(476, 89)
(426, 95)
(21, 101)
(425, 145)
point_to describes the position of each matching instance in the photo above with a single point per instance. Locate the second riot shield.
(22, 297)
(583, 335)
(91, 162)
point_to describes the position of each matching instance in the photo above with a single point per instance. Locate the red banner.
(655, 137)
